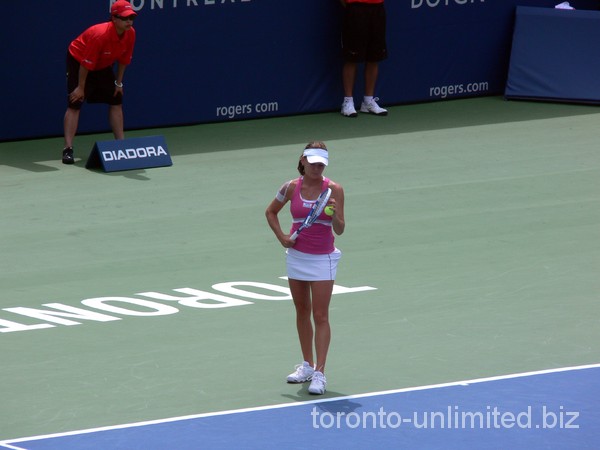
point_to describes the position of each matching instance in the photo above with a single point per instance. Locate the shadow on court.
(33, 155)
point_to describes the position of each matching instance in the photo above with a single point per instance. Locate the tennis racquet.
(315, 211)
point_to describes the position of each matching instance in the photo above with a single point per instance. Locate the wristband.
(119, 85)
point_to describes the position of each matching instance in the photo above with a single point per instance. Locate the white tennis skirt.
(307, 267)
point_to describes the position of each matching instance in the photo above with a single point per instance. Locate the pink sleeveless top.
(317, 239)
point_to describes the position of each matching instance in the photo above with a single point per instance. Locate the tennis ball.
(329, 210)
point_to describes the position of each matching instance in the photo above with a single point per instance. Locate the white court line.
(7, 443)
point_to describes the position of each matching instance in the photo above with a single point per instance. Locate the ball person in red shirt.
(90, 73)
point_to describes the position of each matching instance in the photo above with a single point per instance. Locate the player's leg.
(302, 302)
(301, 295)
(321, 297)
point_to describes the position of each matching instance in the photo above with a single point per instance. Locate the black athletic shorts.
(363, 32)
(99, 85)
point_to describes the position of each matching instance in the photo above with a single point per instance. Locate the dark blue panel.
(555, 56)
(200, 61)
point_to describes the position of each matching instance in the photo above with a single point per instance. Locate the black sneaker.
(67, 157)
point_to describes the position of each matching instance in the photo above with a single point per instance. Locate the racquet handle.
(294, 236)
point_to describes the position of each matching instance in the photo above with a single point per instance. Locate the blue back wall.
(199, 61)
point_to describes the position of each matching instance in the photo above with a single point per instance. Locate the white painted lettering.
(229, 288)
(198, 299)
(337, 289)
(60, 314)
(156, 309)
(9, 326)
(55, 316)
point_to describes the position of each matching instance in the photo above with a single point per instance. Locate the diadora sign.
(133, 153)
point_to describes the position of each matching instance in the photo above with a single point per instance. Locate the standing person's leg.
(348, 78)
(369, 104)
(371, 74)
(352, 54)
(376, 52)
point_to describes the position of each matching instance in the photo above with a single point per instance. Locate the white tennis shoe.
(318, 383)
(348, 108)
(371, 107)
(304, 372)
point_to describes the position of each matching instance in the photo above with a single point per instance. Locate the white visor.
(316, 155)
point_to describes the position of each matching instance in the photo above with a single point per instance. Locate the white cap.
(316, 155)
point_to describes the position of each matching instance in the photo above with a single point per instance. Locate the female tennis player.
(311, 259)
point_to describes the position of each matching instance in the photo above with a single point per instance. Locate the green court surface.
(477, 223)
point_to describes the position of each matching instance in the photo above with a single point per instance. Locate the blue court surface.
(551, 409)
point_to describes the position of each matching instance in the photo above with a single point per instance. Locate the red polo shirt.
(100, 46)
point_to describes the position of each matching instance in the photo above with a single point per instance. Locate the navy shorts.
(363, 32)
(99, 85)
